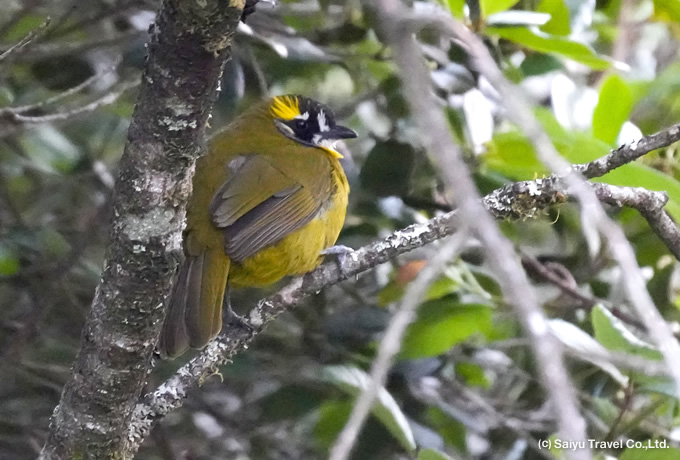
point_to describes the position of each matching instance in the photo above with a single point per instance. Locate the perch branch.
(187, 49)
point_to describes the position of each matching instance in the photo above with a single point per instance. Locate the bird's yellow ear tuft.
(285, 107)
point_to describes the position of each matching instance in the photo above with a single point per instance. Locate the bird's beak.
(339, 132)
(328, 139)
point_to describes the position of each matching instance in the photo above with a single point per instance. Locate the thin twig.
(56, 49)
(519, 110)
(391, 344)
(57, 97)
(17, 119)
(436, 136)
(621, 251)
(588, 302)
(18, 46)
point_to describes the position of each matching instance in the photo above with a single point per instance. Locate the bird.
(269, 197)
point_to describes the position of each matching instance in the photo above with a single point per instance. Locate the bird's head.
(308, 122)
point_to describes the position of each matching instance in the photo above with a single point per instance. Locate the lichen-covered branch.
(188, 46)
(598, 223)
(518, 200)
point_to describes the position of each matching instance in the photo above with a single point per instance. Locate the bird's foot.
(239, 322)
(342, 255)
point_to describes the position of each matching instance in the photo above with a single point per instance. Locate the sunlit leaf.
(512, 155)
(332, 417)
(559, 17)
(457, 8)
(651, 449)
(611, 332)
(560, 46)
(576, 339)
(612, 110)
(668, 10)
(490, 7)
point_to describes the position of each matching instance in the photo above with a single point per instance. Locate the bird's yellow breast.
(300, 251)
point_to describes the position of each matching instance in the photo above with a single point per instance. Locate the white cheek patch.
(303, 116)
(323, 124)
(327, 143)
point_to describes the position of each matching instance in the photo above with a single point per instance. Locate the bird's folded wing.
(259, 204)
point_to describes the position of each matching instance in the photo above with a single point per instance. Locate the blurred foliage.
(465, 386)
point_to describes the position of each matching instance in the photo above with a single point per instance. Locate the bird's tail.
(194, 314)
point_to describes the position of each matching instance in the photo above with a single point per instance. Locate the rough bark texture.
(188, 46)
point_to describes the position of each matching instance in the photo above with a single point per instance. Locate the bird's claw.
(238, 322)
(341, 253)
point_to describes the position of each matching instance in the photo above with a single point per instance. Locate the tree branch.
(436, 136)
(187, 49)
(520, 200)
(21, 44)
(509, 202)
(593, 216)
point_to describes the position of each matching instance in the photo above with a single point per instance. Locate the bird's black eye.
(301, 124)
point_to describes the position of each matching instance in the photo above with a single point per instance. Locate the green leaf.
(539, 64)
(473, 374)
(352, 381)
(387, 168)
(640, 175)
(512, 155)
(50, 150)
(582, 148)
(53, 243)
(438, 289)
(559, 17)
(668, 10)
(25, 25)
(442, 324)
(615, 335)
(577, 339)
(431, 454)
(332, 417)
(9, 261)
(490, 7)
(540, 41)
(457, 8)
(612, 110)
(650, 450)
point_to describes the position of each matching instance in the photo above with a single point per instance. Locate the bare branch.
(629, 152)
(55, 49)
(436, 137)
(15, 119)
(57, 97)
(650, 205)
(18, 46)
(505, 203)
(556, 278)
(519, 111)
